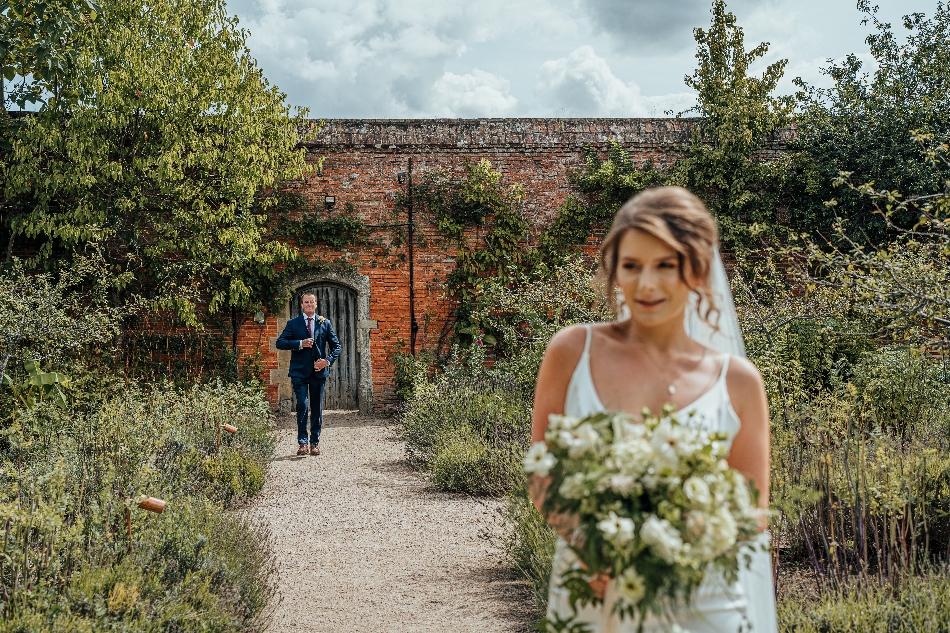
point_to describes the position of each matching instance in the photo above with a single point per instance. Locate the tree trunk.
(234, 329)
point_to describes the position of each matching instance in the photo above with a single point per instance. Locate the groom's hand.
(307, 342)
(320, 365)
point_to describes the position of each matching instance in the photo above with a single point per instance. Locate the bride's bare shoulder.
(742, 374)
(568, 342)
(747, 392)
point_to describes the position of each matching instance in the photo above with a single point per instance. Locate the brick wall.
(361, 160)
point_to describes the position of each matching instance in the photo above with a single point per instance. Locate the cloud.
(375, 58)
(649, 27)
(582, 84)
(472, 95)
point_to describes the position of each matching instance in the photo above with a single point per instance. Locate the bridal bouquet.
(656, 502)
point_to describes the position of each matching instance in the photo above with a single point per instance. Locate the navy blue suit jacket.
(325, 345)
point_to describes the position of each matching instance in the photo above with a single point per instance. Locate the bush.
(460, 461)
(862, 476)
(68, 478)
(469, 432)
(900, 391)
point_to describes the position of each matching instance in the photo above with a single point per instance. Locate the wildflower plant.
(657, 508)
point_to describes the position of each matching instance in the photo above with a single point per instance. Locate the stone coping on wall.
(524, 134)
(498, 133)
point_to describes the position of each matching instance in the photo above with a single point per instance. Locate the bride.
(679, 344)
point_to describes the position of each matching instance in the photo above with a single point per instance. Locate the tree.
(864, 124)
(727, 163)
(35, 50)
(901, 289)
(157, 146)
(738, 116)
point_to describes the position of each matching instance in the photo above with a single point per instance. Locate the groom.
(307, 337)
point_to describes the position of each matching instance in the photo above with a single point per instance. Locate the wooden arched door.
(338, 304)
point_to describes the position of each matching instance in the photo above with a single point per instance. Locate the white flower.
(573, 487)
(561, 422)
(631, 587)
(617, 529)
(696, 521)
(667, 441)
(662, 537)
(632, 456)
(721, 534)
(621, 484)
(697, 491)
(538, 460)
(579, 441)
(742, 497)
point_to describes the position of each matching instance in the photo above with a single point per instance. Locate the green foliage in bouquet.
(657, 507)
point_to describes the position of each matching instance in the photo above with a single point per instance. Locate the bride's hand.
(599, 584)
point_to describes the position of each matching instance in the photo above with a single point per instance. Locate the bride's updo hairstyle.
(681, 221)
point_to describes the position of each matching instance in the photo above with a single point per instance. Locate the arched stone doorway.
(344, 299)
(338, 304)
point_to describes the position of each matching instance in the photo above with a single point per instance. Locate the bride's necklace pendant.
(672, 390)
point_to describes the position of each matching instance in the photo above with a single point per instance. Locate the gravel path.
(365, 544)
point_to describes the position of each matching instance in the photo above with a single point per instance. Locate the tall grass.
(862, 475)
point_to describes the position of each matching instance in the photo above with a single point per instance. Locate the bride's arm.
(751, 447)
(554, 376)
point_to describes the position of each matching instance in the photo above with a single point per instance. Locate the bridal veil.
(757, 580)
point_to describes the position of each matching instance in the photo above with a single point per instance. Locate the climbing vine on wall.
(307, 224)
(483, 218)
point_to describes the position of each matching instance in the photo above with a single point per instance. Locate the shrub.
(458, 422)
(67, 480)
(900, 391)
(460, 461)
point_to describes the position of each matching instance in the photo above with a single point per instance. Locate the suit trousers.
(309, 395)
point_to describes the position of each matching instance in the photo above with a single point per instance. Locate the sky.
(528, 58)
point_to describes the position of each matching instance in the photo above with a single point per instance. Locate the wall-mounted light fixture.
(329, 201)
(260, 317)
(401, 177)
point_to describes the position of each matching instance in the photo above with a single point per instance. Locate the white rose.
(632, 456)
(561, 422)
(583, 439)
(573, 487)
(621, 484)
(697, 491)
(696, 521)
(539, 460)
(721, 533)
(617, 529)
(631, 587)
(662, 537)
(632, 431)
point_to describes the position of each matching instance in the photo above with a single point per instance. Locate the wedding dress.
(717, 607)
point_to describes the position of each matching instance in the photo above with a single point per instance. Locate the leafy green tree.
(900, 289)
(35, 50)
(728, 161)
(160, 140)
(738, 116)
(864, 124)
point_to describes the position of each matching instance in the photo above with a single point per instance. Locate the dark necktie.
(310, 326)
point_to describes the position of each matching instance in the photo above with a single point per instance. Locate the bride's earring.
(623, 312)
